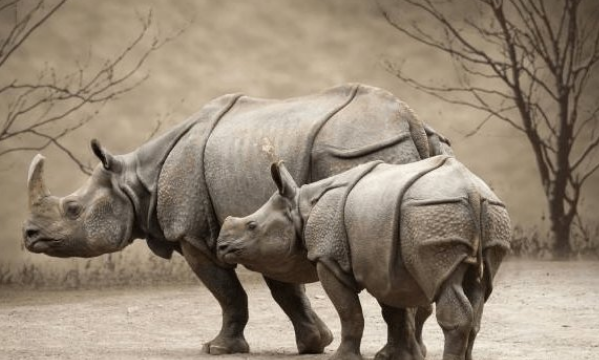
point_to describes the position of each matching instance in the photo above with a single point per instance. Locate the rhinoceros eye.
(252, 225)
(72, 209)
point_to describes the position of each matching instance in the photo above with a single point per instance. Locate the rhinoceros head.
(96, 219)
(268, 238)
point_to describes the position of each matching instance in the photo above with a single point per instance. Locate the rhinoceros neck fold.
(140, 178)
(324, 234)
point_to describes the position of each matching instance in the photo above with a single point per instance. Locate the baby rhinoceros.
(411, 235)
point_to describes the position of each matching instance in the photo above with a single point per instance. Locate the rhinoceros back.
(375, 125)
(240, 149)
(318, 136)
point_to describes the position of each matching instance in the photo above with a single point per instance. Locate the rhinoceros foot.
(223, 345)
(345, 355)
(398, 352)
(315, 341)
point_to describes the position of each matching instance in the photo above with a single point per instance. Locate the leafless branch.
(51, 101)
(440, 93)
(539, 61)
(155, 129)
(86, 169)
(26, 26)
(589, 173)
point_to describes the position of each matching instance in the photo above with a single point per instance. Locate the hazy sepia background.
(263, 48)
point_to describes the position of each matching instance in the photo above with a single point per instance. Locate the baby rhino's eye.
(251, 225)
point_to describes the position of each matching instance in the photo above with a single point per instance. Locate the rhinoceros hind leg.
(311, 334)
(422, 313)
(402, 342)
(455, 315)
(475, 291)
(226, 288)
(347, 304)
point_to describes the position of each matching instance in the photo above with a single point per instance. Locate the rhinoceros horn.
(35, 181)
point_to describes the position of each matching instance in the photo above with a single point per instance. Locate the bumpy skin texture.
(418, 234)
(412, 234)
(218, 168)
(183, 184)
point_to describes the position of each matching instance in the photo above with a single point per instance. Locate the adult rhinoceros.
(175, 190)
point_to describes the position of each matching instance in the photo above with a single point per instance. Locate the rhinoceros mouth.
(42, 245)
(230, 255)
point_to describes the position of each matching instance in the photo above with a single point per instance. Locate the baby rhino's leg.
(455, 315)
(422, 313)
(348, 307)
(402, 342)
(475, 290)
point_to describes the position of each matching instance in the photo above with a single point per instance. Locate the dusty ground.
(539, 310)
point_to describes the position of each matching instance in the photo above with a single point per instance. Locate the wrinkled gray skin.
(413, 234)
(175, 190)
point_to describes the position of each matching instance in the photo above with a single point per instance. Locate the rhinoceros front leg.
(226, 288)
(311, 334)
(347, 304)
(402, 339)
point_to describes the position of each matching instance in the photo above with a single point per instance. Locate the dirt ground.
(539, 310)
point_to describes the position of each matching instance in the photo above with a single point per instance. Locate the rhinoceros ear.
(109, 162)
(283, 179)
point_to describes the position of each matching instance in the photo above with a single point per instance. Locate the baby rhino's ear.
(283, 179)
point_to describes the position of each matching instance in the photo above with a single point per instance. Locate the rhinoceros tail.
(438, 144)
(417, 130)
(478, 205)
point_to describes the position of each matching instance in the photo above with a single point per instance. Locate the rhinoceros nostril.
(31, 233)
(222, 247)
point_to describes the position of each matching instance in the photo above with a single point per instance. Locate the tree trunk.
(561, 218)
(560, 229)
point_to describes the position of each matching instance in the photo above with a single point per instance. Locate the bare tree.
(41, 113)
(528, 63)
